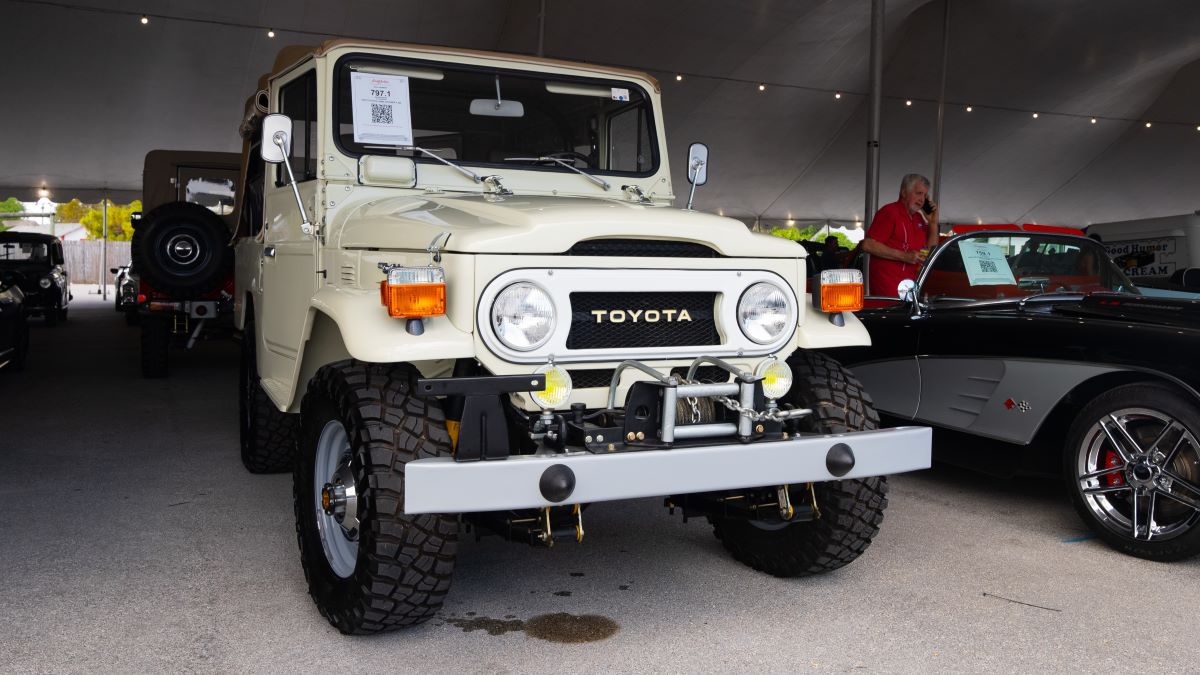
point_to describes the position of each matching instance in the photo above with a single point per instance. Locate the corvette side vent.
(642, 248)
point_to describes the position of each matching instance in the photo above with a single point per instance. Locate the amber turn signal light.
(414, 292)
(840, 291)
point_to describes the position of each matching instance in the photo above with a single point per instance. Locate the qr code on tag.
(381, 113)
(988, 267)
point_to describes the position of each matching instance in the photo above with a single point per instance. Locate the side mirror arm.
(279, 138)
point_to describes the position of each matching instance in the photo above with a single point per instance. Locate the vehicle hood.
(546, 225)
(1135, 309)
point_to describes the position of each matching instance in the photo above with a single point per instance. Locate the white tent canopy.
(95, 90)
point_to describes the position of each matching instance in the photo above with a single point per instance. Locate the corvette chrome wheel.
(1135, 471)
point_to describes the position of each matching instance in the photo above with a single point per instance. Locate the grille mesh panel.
(602, 377)
(643, 248)
(588, 333)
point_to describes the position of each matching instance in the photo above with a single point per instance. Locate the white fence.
(84, 264)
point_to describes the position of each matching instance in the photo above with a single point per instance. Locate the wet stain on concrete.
(486, 624)
(576, 574)
(570, 628)
(563, 594)
(559, 627)
(623, 587)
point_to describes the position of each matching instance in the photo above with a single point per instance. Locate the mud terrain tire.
(850, 510)
(397, 571)
(268, 436)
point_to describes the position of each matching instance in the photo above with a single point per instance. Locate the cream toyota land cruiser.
(466, 301)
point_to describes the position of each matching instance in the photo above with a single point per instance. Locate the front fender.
(371, 335)
(816, 331)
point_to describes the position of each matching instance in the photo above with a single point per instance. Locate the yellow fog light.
(776, 377)
(558, 387)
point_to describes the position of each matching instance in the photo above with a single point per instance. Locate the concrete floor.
(133, 541)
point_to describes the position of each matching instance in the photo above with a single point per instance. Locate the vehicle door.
(288, 277)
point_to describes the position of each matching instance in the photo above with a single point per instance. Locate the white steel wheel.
(335, 499)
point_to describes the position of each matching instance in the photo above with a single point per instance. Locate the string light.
(1147, 125)
(762, 86)
(270, 33)
(44, 192)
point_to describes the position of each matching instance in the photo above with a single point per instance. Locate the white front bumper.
(442, 485)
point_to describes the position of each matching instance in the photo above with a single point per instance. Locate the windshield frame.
(1082, 242)
(340, 67)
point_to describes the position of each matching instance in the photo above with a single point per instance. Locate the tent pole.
(104, 253)
(873, 110)
(941, 115)
(874, 101)
(542, 29)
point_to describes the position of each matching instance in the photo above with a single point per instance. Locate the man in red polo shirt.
(900, 236)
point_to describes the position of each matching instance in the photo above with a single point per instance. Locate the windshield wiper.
(428, 153)
(598, 181)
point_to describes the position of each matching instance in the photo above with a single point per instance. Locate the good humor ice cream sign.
(1144, 257)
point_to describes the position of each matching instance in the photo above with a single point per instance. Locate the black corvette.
(1029, 350)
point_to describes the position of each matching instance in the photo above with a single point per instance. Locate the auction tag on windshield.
(985, 264)
(619, 94)
(382, 112)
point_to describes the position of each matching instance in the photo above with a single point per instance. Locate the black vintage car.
(14, 330)
(35, 262)
(1030, 351)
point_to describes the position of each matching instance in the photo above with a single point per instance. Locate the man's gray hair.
(911, 179)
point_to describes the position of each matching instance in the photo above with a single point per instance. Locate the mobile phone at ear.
(927, 207)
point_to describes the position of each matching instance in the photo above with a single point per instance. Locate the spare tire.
(182, 249)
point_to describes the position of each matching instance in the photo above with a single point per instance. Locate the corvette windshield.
(507, 118)
(991, 267)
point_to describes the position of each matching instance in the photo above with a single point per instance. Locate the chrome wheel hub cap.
(1138, 470)
(336, 499)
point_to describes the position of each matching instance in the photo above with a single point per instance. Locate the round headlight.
(558, 387)
(523, 316)
(776, 378)
(763, 312)
(45, 282)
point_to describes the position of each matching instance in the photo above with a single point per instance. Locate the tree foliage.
(119, 228)
(812, 233)
(71, 212)
(11, 205)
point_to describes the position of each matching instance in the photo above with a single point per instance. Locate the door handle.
(268, 252)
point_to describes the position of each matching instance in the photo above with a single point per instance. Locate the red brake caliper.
(1111, 461)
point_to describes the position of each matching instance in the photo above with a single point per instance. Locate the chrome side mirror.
(697, 168)
(276, 144)
(907, 290)
(276, 148)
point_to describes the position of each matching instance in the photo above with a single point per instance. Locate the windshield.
(992, 266)
(23, 251)
(473, 115)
